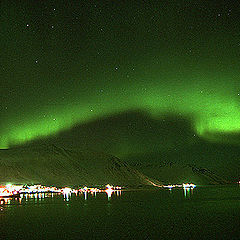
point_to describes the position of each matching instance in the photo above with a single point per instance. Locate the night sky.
(69, 63)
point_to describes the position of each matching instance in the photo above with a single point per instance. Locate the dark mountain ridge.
(60, 166)
(162, 148)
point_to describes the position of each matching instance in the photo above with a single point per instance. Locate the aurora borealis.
(67, 63)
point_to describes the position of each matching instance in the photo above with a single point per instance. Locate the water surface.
(202, 213)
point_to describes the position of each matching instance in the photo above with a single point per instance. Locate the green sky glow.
(79, 63)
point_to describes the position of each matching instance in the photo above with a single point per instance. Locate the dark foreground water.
(205, 213)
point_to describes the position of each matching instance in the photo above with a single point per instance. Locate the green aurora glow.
(147, 60)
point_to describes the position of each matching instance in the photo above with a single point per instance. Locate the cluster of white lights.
(10, 190)
(184, 185)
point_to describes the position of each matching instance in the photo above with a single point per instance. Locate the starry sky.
(69, 63)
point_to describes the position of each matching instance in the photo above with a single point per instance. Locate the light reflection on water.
(37, 198)
(188, 192)
(127, 214)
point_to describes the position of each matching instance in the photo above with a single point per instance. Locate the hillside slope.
(171, 173)
(54, 165)
(137, 138)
